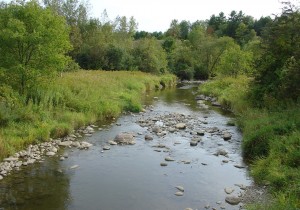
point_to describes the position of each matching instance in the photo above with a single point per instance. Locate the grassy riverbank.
(271, 140)
(71, 101)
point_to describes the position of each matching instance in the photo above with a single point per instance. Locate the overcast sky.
(156, 15)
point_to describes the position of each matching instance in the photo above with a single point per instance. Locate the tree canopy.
(34, 42)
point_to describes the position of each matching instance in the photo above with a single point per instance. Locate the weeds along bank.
(271, 140)
(55, 108)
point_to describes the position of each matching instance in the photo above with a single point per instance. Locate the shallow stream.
(130, 177)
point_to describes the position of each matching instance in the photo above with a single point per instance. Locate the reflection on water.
(130, 177)
(39, 186)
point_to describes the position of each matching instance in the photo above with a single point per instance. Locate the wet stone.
(163, 164)
(193, 143)
(179, 193)
(169, 159)
(180, 188)
(227, 136)
(180, 126)
(74, 166)
(200, 132)
(233, 200)
(148, 138)
(106, 148)
(229, 190)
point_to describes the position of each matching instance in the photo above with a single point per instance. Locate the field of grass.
(76, 99)
(271, 141)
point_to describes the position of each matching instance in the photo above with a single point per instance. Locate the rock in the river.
(65, 143)
(85, 145)
(74, 166)
(227, 136)
(10, 159)
(50, 153)
(172, 130)
(106, 147)
(1, 177)
(229, 190)
(156, 129)
(193, 143)
(148, 137)
(221, 152)
(180, 126)
(124, 138)
(179, 193)
(188, 209)
(200, 132)
(169, 159)
(163, 164)
(180, 188)
(239, 166)
(233, 200)
(112, 142)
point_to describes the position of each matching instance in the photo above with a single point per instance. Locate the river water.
(130, 177)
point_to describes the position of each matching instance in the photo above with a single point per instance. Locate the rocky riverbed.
(173, 155)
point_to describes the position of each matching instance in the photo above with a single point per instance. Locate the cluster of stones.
(175, 122)
(161, 125)
(36, 153)
(212, 100)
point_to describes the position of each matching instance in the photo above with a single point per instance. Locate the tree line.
(42, 39)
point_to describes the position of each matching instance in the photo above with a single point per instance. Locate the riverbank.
(271, 140)
(74, 100)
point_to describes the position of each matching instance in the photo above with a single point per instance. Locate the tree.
(278, 74)
(149, 56)
(235, 61)
(33, 44)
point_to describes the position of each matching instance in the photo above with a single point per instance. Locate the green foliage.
(33, 44)
(235, 61)
(231, 92)
(149, 56)
(278, 73)
(237, 26)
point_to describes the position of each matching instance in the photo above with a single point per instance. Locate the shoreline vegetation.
(271, 140)
(74, 100)
(253, 66)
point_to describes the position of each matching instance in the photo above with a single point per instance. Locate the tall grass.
(271, 140)
(71, 101)
(231, 92)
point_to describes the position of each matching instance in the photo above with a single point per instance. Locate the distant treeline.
(39, 39)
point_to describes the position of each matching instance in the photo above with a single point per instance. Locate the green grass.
(231, 92)
(76, 99)
(271, 140)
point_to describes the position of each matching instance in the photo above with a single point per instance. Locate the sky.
(156, 15)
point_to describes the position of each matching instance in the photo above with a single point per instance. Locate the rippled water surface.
(130, 177)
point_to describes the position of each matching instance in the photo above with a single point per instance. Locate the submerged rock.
(74, 166)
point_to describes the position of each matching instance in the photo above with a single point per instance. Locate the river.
(130, 177)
